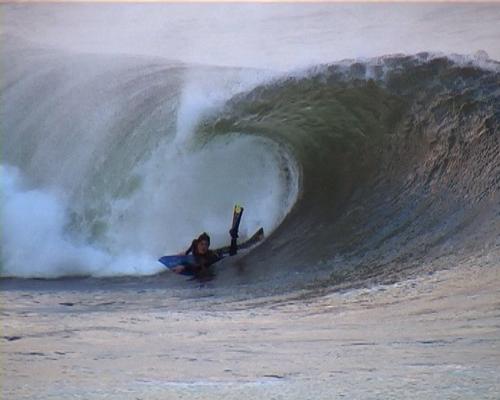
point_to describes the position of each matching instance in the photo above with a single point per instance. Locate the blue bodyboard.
(172, 261)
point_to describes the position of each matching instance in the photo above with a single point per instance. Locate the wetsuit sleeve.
(212, 258)
(233, 248)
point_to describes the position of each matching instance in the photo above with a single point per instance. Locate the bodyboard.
(173, 261)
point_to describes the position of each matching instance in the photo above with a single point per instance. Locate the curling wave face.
(358, 169)
(400, 160)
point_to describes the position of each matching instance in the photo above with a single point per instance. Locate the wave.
(400, 163)
(357, 169)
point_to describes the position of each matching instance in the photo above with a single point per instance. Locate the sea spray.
(187, 192)
(116, 151)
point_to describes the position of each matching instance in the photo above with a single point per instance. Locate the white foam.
(35, 242)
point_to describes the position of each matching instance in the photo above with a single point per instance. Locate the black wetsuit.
(203, 261)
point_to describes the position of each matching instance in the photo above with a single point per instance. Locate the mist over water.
(122, 141)
(267, 36)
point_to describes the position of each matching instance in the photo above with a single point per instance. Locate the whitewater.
(363, 138)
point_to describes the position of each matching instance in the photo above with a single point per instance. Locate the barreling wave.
(400, 163)
(357, 169)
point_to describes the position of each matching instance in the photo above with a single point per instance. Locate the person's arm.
(178, 269)
(233, 249)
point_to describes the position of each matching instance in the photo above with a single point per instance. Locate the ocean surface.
(363, 138)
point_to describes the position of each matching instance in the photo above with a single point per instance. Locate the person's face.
(202, 247)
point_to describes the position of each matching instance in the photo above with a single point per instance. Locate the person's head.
(202, 243)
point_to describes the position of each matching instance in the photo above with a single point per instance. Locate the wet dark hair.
(192, 248)
(204, 236)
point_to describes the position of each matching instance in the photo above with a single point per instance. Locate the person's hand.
(178, 269)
